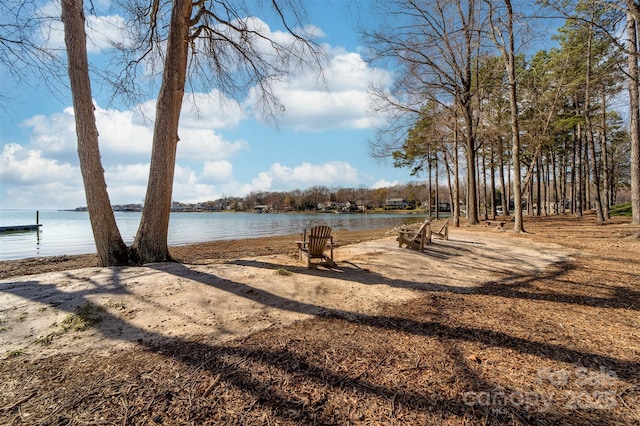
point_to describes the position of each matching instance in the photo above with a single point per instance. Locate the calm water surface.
(66, 232)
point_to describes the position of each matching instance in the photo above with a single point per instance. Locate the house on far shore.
(396, 204)
(262, 208)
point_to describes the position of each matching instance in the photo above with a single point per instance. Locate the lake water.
(68, 232)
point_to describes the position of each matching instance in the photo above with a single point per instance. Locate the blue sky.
(322, 140)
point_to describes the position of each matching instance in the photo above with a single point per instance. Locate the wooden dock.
(23, 228)
(20, 228)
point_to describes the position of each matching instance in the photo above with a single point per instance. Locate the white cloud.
(53, 194)
(54, 133)
(281, 177)
(27, 167)
(27, 178)
(382, 183)
(102, 30)
(210, 110)
(216, 171)
(205, 144)
(121, 134)
(131, 174)
(343, 104)
(126, 137)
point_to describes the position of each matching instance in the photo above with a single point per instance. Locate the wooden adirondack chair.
(315, 243)
(443, 233)
(416, 239)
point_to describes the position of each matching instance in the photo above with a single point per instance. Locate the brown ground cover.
(554, 345)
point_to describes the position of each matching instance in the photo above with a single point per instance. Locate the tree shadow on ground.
(234, 364)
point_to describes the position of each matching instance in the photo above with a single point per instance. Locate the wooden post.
(37, 217)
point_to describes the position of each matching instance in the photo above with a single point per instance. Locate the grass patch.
(621, 210)
(83, 317)
(282, 272)
(46, 340)
(14, 353)
(111, 304)
(23, 316)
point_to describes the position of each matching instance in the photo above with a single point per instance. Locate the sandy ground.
(222, 301)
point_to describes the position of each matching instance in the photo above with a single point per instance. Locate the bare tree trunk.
(605, 159)
(483, 184)
(110, 247)
(563, 180)
(586, 187)
(578, 167)
(538, 192)
(472, 183)
(456, 185)
(470, 28)
(509, 185)
(437, 200)
(449, 173)
(574, 175)
(505, 193)
(518, 225)
(591, 144)
(492, 168)
(530, 198)
(634, 109)
(430, 189)
(150, 244)
(557, 188)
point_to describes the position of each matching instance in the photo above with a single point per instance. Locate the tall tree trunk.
(470, 28)
(578, 167)
(606, 207)
(472, 183)
(557, 188)
(563, 180)
(503, 187)
(530, 198)
(456, 184)
(634, 108)
(590, 149)
(437, 200)
(518, 225)
(547, 188)
(430, 189)
(447, 165)
(492, 168)
(574, 175)
(110, 247)
(509, 184)
(586, 180)
(150, 244)
(485, 194)
(538, 192)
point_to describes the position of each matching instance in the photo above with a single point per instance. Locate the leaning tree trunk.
(110, 247)
(150, 244)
